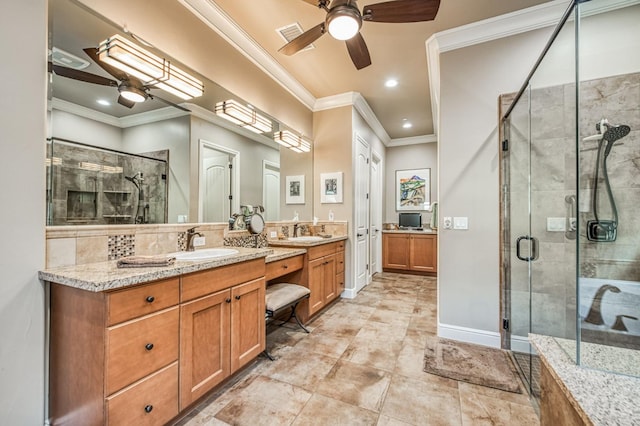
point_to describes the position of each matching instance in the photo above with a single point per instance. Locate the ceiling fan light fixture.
(294, 142)
(243, 116)
(343, 22)
(149, 68)
(132, 94)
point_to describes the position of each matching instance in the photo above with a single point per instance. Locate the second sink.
(204, 254)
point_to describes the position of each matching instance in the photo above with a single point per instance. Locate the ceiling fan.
(344, 21)
(131, 89)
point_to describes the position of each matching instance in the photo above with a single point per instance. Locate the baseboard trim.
(469, 335)
(521, 344)
(349, 293)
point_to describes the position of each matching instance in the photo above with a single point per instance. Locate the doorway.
(271, 190)
(218, 182)
(361, 213)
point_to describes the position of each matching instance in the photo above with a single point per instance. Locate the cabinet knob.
(150, 299)
(228, 300)
(148, 408)
(238, 297)
(148, 346)
(285, 266)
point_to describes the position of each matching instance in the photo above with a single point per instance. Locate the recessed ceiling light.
(103, 102)
(407, 125)
(392, 82)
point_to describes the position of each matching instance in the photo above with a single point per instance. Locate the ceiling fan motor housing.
(343, 21)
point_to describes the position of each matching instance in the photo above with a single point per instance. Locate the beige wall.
(409, 157)
(23, 29)
(468, 270)
(296, 164)
(171, 28)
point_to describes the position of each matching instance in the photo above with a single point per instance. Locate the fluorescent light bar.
(149, 68)
(296, 143)
(243, 116)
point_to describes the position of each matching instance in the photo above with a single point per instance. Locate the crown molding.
(165, 113)
(218, 20)
(413, 140)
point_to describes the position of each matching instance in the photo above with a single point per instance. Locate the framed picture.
(413, 189)
(331, 187)
(294, 190)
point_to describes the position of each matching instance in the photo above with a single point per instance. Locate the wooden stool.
(281, 296)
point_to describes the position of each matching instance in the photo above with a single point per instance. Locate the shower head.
(614, 133)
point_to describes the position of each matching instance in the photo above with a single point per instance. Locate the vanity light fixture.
(243, 116)
(343, 22)
(93, 167)
(149, 68)
(294, 142)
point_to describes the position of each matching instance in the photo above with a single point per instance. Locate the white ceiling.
(397, 51)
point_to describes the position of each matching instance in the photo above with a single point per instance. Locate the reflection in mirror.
(89, 112)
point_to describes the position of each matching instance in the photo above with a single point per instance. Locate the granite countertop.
(306, 243)
(410, 231)
(104, 276)
(601, 397)
(280, 253)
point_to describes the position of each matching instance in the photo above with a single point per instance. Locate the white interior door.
(271, 190)
(361, 212)
(215, 202)
(375, 206)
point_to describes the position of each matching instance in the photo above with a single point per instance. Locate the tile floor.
(360, 365)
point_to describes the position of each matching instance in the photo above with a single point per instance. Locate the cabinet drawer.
(340, 246)
(153, 401)
(283, 267)
(321, 251)
(340, 262)
(340, 282)
(202, 283)
(124, 305)
(140, 347)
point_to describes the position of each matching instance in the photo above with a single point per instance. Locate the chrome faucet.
(296, 228)
(595, 316)
(191, 234)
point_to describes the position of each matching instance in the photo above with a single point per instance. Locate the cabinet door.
(395, 251)
(316, 285)
(423, 253)
(204, 345)
(330, 283)
(247, 322)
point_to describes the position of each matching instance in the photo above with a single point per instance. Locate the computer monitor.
(410, 220)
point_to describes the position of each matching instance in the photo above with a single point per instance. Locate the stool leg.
(293, 315)
(268, 355)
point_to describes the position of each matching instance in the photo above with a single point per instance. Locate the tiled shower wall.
(78, 245)
(553, 178)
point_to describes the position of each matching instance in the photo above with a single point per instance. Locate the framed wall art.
(331, 187)
(413, 189)
(294, 190)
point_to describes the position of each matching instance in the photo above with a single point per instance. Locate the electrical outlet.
(447, 222)
(273, 234)
(198, 241)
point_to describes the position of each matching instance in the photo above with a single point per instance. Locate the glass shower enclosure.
(570, 181)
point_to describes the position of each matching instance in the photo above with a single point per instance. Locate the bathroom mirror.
(89, 114)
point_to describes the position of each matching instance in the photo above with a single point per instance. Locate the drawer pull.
(148, 408)
(148, 346)
(150, 299)
(285, 266)
(238, 297)
(228, 300)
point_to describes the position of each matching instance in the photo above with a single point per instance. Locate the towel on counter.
(434, 216)
(145, 261)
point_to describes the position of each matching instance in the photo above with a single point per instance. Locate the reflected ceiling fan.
(344, 21)
(131, 89)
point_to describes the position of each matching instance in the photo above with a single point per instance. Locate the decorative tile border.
(121, 246)
(247, 241)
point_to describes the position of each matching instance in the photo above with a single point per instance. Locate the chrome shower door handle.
(534, 248)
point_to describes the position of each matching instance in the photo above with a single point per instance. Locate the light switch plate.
(198, 241)
(460, 223)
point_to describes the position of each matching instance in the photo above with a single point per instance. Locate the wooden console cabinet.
(410, 252)
(143, 354)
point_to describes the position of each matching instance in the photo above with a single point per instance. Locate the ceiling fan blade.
(168, 102)
(358, 51)
(92, 52)
(82, 76)
(318, 3)
(401, 11)
(125, 102)
(303, 40)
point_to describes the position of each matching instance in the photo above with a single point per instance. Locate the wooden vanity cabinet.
(410, 252)
(108, 349)
(222, 331)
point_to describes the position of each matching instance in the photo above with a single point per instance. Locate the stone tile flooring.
(360, 365)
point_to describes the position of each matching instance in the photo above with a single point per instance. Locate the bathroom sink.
(204, 254)
(305, 239)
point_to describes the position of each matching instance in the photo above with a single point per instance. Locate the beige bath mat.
(470, 363)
